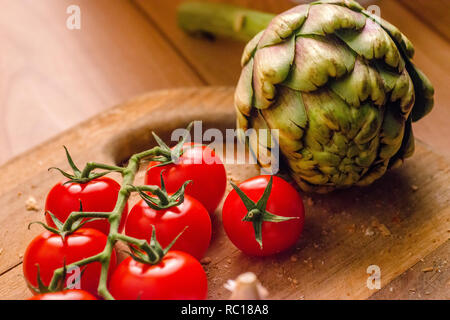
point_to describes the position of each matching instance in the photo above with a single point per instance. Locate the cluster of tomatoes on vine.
(261, 216)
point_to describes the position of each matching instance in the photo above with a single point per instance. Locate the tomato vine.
(128, 173)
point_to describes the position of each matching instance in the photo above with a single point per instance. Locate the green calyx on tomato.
(169, 155)
(164, 200)
(63, 229)
(87, 174)
(42, 288)
(151, 253)
(257, 212)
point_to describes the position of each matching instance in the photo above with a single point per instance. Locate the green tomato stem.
(58, 273)
(74, 216)
(94, 165)
(114, 217)
(162, 196)
(153, 256)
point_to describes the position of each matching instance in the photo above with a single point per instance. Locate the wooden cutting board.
(392, 224)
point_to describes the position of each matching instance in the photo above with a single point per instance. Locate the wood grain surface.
(391, 224)
(52, 78)
(434, 13)
(428, 279)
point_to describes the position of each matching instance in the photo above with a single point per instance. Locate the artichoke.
(339, 85)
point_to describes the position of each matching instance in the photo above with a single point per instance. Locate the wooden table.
(52, 78)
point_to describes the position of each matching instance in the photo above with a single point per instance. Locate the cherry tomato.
(169, 223)
(283, 201)
(199, 164)
(71, 294)
(178, 276)
(49, 251)
(98, 195)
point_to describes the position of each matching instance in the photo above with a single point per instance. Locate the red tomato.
(283, 201)
(199, 164)
(49, 251)
(178, 276)
(71, 294)
(170, 222)
(98, 195)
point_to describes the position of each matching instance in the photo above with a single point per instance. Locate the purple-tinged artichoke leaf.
(283, 26)
(250, 48)
(399, 86)
(316, 60)
(243, 95)
(373, 43)
(395, 33)
(271, 66)
(326, 19)
(355, 6)
(362, 84)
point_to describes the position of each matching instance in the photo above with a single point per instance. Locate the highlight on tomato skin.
(170, 222)
(198, 163)
(69, 294)
(284, 201)
(97, 195)
(50, 251)
(178, 276)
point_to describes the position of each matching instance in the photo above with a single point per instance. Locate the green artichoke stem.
(221, 20)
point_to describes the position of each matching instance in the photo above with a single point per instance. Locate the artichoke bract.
(339, 85)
